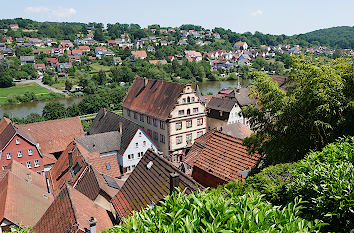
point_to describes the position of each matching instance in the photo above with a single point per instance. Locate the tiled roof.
(157, 98)
(237, 130)
(21, 200)
(106, 121)
(102, 142)
(146, 186)
(3, 123)
(54, 136)
(241, 96)
(221, 104)
(71, 211)
(225, 157)
(9, 132)
(282, 81)
(140, 54)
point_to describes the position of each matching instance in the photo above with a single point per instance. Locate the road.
(39, 82)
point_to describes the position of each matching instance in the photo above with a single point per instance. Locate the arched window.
(188, 99)
(188, 112)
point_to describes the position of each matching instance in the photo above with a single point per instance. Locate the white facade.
(136, 149)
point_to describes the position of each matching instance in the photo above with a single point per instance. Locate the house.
(64, 66)
(282, 81)
(66, 44)
(158, 62)
(16, 144)
(140, 54)
(74, 58)
(72, 211)
(27, 60)
(7, 52)
(221, 158)
(117, 61)
(52, 61)
(24, 196)
(163, 43)
(111, 43)
(172, 113)
(84, 48)
(195, 56)
(53, 136)
(132, 139)
(40, 67)
(151, 49)
(14, 26)
(237, 130)
(241, 45)
(57, 51)
(99, 51)
(76, 52)
(152, 180)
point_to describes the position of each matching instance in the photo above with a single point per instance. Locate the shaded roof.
(3, 123)
(282, 81)
(237, 130)
(71, 211)
(54, 136)
(241, 96)
(9, 132)
(21, 199)
(146, 186)
(106, 121)
(199, 94)
(225, 157)
(221, 104)
(102, 142)
(157, 98)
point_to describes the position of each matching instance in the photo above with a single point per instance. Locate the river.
(24, 109)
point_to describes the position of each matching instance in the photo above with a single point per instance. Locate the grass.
(60, 85)
(97, 67)
(21, 88)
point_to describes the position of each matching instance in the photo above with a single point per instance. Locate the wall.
(206, 179)
(23, 146)
(139, 137)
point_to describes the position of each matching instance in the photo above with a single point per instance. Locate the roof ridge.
(71, 203)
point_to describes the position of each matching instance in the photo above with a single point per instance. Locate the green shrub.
(324, 180)
(215, 212)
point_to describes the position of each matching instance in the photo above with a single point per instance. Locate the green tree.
(68, 85)
(308, 116)
(98, 35)
(101, 77)
(5, 80)
(54, 110)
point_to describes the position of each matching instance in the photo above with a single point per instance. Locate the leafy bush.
(325, 181)
(210, 212)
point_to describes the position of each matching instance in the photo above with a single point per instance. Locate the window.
(136, 145)
(17, 141)
(128, 169)
(156, 136)
(189, 138)
(8, 155)
(19, 153)
(139, 134)
(199, 121)
(30, 152)
(140, 154)
(150, 132)
(162, 138)
(155, 122)
(148, 120)
(29, 164)
(189, 123)
(131, 156)
(188, 112)
(76, 169)
(178, 125)
(193, 99)
(178, 139)
(162, 125)
(188, 99)
(180, 112)
(135, 115)
(195, 110)
(141, 117)
(144, 143)
(200, 133)
(36, 163)
(108, 166)
(128, 112)
(174, 158)
(184, 100)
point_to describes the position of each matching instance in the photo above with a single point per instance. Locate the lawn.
(21, 88)
(97, 67)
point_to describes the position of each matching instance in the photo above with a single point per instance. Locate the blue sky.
(267, 16)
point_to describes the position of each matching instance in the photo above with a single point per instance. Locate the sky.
(267, 16)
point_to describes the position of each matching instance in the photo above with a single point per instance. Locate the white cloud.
(257, 13)
(58, 12)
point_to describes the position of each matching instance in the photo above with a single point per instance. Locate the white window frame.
(179, 140)
(19, 154)
(36, 163)
(179, 124)
(29, 164)
(199, 121)
(30, 151)
(8, 155)
(18, 141)
(189, 123)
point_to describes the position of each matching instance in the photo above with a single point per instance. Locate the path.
(39, 82)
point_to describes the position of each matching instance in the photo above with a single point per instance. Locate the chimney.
(174, 181)
(120, 127)
(146, 82)
(92, 222)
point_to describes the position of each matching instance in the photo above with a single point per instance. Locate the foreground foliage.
(217, 212)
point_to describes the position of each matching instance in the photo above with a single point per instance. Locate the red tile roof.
(224, 156)
(156, 99)
(70, 212)
(54, 136)
(3, 123)
(21, 200)
(139, 54)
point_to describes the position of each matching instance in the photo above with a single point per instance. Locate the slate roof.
(106, 121)
(156, 99)
(199, 94)
(241, 96)
(71, 211)
(221, 104)
(225, 157)
(237, 130)
(149, 186)
(54, 136)
(21, 200)
(102, 142)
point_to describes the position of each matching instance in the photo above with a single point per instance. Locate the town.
(155, 153)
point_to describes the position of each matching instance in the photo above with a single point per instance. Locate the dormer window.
(17, 141)
(30, 152)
